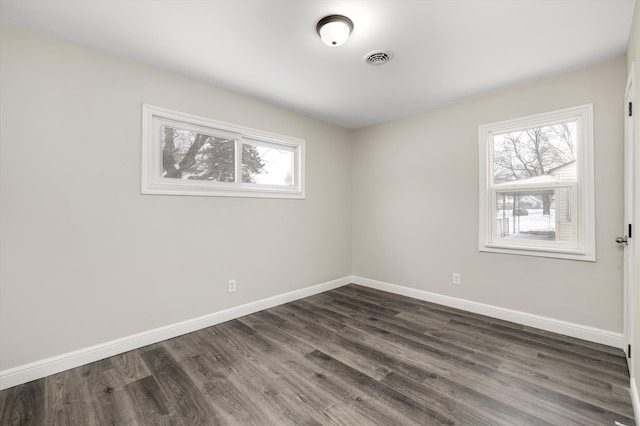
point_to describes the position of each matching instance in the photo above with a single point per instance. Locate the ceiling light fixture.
(334, 29)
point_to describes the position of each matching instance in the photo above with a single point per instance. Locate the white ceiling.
(445, 50)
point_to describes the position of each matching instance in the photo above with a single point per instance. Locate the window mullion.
(238, 161)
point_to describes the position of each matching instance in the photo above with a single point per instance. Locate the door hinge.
(630, 231)
(629, 351)
(630, 109)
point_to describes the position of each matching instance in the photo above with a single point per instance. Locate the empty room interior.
(319, 212)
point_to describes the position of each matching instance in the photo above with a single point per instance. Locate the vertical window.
(536, 185)
(189, 155)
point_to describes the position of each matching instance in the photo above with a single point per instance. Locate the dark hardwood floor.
(350, 356)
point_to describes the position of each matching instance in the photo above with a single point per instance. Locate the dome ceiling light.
(334, 30)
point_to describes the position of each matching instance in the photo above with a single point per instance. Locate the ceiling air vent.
(378, 57)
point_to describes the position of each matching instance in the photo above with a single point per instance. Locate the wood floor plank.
(225, 397)
(128, 367)
(408, 305)
(599, 361)
(380, 327)
(23, 404)
(405, 304)
(353, 406)
(292, 373)
(593, 363)
(595, 347)
(428, 309)
(466, 405)
(189, 405)
(351, 346)
(353, 355)
(539, 403)
(67, 400)
(150, 406)
(579, 385)
(256, 376)
(404, 407)
(426, 360)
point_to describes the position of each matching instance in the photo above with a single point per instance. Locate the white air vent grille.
(378, 57)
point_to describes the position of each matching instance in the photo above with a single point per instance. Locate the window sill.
(210, 191)
(540, 252)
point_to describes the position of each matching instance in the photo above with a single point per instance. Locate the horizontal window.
(536, 185)
(188, 155)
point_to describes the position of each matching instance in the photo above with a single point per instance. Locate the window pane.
(535, 155)
(187, 154)
(267, 164)
(535, 215)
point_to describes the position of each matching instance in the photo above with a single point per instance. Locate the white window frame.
(582, 246)
(152, 168)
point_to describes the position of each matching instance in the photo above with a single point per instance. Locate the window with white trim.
(183, 154)
(536, 185)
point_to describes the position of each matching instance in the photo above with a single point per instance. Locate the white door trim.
(629, 212)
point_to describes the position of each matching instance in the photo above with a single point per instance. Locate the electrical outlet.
(232, 286)
(456, 278)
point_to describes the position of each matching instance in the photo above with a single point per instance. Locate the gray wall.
(85, 259)
(415, 204)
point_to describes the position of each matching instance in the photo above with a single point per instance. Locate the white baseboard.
(36, 370)
(592, 334)
(635, 400)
